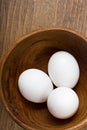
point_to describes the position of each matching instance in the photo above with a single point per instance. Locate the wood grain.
(18, 17)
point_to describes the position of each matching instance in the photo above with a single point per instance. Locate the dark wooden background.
(18, 17)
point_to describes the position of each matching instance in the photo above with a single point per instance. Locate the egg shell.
(35, 85)
(63, 102)
(63, 69)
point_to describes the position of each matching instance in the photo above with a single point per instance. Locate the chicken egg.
(63, 102)
(63, 69)
(35, 85)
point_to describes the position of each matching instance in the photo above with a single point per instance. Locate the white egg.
(63, 69)
(35, 85)
(63, 102)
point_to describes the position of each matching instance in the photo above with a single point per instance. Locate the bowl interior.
(34, 51)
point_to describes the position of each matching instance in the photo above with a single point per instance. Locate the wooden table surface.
(18, 17)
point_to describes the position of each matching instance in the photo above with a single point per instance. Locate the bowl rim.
(10, 49)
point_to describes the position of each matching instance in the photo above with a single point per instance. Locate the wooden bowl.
(33, 51)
